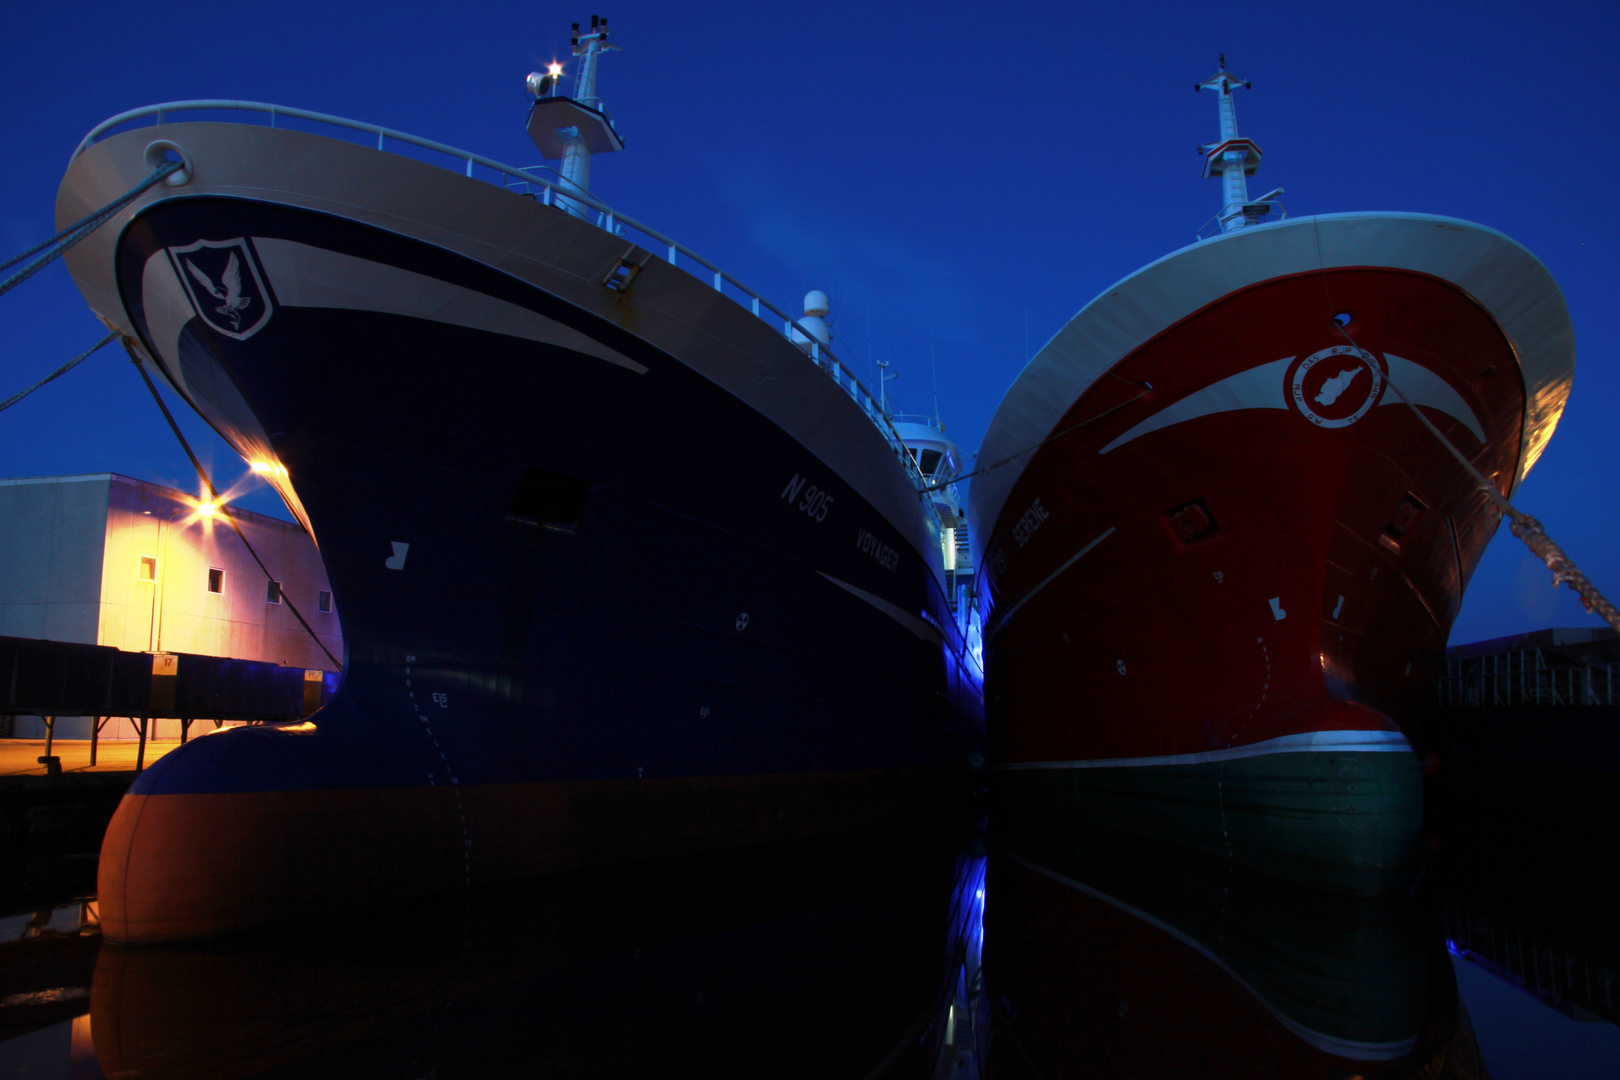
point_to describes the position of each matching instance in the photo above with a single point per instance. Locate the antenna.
(933, 367)
(884, 378)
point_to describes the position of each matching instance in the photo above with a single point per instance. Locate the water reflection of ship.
(1226, 547)
(1109, 958)
(1517, 894)
(623, 573)
(817, 960)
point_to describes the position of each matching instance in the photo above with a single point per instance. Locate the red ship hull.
(1236, 560)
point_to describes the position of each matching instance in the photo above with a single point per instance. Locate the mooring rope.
(1522, 525)
(213, 495)
(60, 243)
(71, 235)
(53, 249)
(63, 370)
(1526, 528)
(1010, 458)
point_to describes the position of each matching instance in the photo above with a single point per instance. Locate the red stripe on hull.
(1162, 641)
(181, 867)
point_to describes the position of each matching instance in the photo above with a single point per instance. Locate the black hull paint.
(596, 608)
(683, 626)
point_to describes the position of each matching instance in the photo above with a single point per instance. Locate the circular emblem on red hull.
(1336, 387)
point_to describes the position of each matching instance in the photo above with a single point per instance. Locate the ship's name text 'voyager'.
(876, 548)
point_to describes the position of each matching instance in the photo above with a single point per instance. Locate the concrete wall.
(70, 561)
(177, 613)
(52, 536)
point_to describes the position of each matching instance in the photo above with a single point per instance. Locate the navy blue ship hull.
(560, 578)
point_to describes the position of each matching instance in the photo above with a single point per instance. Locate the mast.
(1233, 159)
(884, 378)
(571, 129)
(576, 163)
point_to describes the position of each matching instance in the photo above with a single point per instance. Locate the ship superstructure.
(939, 460)
(1236, 553)
(624, 573)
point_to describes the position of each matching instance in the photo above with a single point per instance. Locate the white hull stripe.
(1510, 286)
(1309, 742)
(304, 276)
(1002, 620)
(1258, 388)
(1423, 387)
(1264, 387)
(1332, 1044)
(919, 626)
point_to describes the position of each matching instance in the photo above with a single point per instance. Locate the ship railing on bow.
(918, 418)
(527, 181)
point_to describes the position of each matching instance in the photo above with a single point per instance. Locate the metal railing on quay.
(1525, 677)
(525, 182)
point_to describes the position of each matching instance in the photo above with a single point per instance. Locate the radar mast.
(1233, 159)
(571, 129)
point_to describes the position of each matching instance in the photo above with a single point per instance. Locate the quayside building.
(104, 559)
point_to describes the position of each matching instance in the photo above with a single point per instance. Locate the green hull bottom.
(1345, 821)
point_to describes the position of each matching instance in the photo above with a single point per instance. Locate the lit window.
(148, 568)
(323, 601)
(273, 593)
(216, 580)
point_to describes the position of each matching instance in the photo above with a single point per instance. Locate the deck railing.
(551, 192)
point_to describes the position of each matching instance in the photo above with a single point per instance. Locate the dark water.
(903, 954)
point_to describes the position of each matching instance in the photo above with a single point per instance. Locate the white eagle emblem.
(226, 287)
(235, 302)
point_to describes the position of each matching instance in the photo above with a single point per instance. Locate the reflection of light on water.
(749, 946)
(955, 1035)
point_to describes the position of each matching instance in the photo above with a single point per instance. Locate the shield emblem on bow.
(226, 289)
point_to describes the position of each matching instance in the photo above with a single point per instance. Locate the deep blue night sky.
(949, 175)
